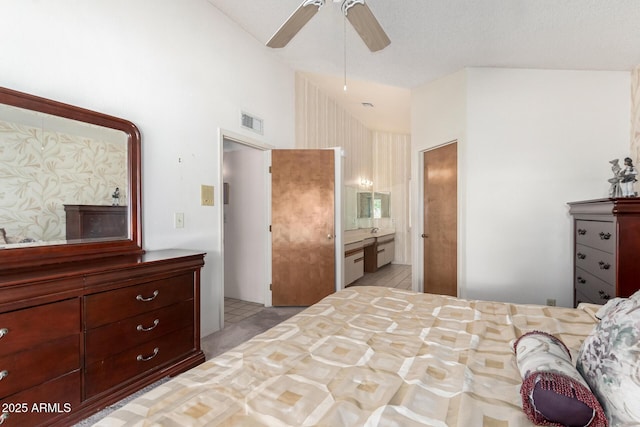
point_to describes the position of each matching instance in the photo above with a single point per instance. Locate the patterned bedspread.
(366, 356)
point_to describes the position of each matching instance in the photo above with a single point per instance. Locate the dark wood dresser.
(606, 249)
(76, 337)
(94, 221)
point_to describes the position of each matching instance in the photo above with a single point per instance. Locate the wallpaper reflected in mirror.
(47, 162)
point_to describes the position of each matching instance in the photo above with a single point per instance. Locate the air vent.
(252, 122)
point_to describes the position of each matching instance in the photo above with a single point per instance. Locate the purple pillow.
(553, 391)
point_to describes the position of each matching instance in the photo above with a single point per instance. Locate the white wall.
(535, 140)
(180, 71)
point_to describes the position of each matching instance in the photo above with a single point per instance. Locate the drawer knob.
(581, 280)
(150, 328)
(604, 266)
(581, 255)
(151, 298)
(142, 358)
(605, 296)
(605, 236)
(4, 374)
(582, 231)
(3, 332)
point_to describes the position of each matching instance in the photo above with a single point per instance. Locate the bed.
(367, 356)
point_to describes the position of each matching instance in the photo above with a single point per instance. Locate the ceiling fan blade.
(366, 25)
(296, 21)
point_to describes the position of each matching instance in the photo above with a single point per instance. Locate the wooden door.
(440, 232)
(302, 226)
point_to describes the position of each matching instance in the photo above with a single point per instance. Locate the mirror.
(364, 205)
(70, 182)
(381, 205)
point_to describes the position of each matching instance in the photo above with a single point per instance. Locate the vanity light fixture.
(366, 183)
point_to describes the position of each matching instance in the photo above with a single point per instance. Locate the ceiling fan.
(356, 11)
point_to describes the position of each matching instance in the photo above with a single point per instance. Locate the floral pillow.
(553, 392)
(611, 304)
(609, 360)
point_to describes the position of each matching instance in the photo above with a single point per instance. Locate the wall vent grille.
(252, 122)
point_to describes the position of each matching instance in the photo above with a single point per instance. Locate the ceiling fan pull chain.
(344, 21)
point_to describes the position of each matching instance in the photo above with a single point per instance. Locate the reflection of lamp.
(366, 183)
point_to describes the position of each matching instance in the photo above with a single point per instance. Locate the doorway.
(258, 212)
(244, 200)
(440, 220)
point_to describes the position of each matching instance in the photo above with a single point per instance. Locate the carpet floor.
(237, 333)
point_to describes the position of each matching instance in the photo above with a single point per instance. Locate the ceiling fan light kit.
(356, 11)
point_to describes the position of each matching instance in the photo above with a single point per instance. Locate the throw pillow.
(553, 392)
(609, 360)
(612, 303)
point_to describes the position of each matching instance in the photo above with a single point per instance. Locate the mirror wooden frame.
(34, 256)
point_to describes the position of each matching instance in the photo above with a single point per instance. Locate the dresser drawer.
(23, 370)
(111, 306)
(29, 327)
(596, 234)
(116, 337)
(595, 289)
(580, 297)
(599, 263)
(135, 361)
(43, 404)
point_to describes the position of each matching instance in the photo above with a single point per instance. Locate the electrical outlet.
(551, 302)
(178, 220)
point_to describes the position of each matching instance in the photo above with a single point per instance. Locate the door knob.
(329, 236)
(424, 236)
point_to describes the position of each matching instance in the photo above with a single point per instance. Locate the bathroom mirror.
(381, 202)
(56, 159)
(365, 205)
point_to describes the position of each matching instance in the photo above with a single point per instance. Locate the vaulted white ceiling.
(433, 38)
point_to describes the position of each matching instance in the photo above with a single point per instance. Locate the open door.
(440, 232)
(302, 226)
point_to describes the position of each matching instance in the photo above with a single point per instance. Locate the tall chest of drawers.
(76, 338)
(606, 248)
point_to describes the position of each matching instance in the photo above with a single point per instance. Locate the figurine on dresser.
(615, 190)
(628, 178)
(623, 178)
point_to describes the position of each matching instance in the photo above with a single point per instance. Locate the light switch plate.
(206, 195)
(178, 220)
